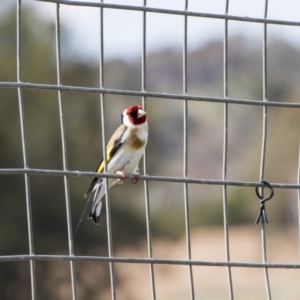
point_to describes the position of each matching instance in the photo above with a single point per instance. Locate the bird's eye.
(133, 114)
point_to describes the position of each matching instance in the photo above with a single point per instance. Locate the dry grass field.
(172, 282)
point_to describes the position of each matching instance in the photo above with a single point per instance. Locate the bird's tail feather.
(97, 201)
(83, 213)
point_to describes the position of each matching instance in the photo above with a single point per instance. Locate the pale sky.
(123, 29)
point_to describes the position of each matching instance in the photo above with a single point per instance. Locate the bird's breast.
(125, 160)
(137, 139)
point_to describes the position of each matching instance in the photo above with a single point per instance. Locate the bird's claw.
(124, 176)
(135, 179)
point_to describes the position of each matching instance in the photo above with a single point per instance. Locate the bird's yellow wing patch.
(113, 145)
(108, 158)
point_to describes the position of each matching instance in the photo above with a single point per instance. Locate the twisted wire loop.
(262, 214)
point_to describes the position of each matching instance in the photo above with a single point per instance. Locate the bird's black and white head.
(134, 116)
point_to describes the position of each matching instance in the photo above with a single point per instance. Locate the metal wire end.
(262, 214)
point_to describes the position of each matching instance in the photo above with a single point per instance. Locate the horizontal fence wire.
(48, 172)
(185, 180)
(175, 12)
(38, 257)
(147, 94)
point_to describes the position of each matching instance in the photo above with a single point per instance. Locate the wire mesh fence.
(185, 98)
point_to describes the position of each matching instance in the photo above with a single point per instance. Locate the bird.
(123, 153)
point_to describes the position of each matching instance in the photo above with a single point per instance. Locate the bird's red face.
(136, 114)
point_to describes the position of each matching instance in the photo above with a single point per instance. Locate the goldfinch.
(123, 153)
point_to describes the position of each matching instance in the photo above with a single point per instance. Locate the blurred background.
(122, 70)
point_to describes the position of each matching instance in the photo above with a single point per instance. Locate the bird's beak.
(141, 113)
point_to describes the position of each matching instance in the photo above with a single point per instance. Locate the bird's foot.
(136, 178)
(124, 176)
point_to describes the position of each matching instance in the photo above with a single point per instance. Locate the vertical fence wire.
(185, 156)
(102, 113)
(225, 153)
(146, 186)
(263, 149)
(298, 203)
(64, 154)
(24, 150)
